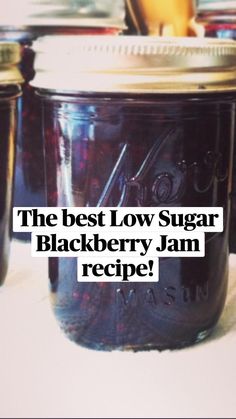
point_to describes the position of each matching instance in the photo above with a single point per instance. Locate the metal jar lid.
(135, 64)
(9, 59)
(62, 13)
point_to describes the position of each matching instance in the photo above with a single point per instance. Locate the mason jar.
(219, 21)
(139, 122)
(32, 19)
(10, 90)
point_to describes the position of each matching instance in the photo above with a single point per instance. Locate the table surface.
(45, 375)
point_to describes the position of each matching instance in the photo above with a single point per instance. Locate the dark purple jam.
(168, 151)
(226, 30)
(29, 174)
(8, 97)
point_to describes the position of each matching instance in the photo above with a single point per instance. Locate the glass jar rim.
(10, 57)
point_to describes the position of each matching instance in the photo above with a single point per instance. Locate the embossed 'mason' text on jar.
(139, 121)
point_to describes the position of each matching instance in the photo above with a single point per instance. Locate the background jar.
(160, 111)
(32, 19)
(10, 80)
(219, 21)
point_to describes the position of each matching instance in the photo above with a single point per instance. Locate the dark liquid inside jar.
(168, 151)
(29, 173)
(8, 97)
(224, 28)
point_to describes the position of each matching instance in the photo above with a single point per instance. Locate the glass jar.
(219, 21)
(10, 79)
(31, 20)
(161, 112)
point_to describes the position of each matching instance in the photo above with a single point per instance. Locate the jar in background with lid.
(10, 90)
(153, 127)
(31, 19)
(219, 20)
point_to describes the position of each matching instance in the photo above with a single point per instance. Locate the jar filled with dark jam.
(34, 20)
(139, 122)
(219, 21)
(10, 90)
